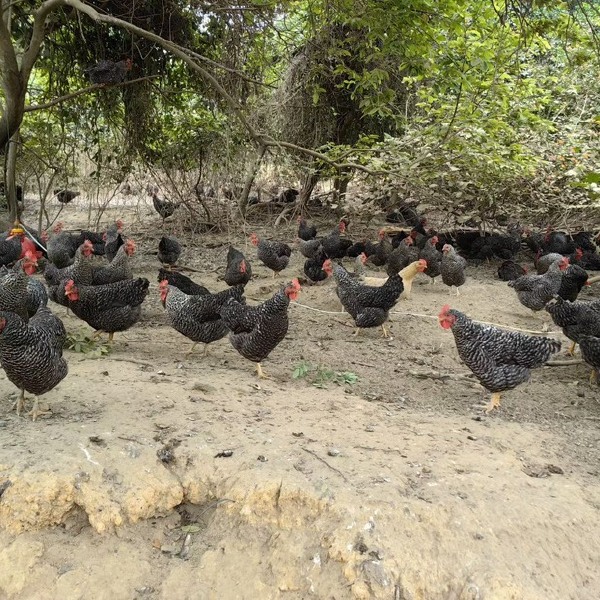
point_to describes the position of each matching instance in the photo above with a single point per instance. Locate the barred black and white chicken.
(501, 360)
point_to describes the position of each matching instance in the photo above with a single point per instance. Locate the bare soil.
(164, 476)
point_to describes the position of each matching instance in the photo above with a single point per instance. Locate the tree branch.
(91, 88)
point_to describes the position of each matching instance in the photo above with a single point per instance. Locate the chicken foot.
(571, 350)
(494, 402)
(35, 412)
(191, 350)
(19, 405)
(261, 374)
(594, 377)
(384, 332)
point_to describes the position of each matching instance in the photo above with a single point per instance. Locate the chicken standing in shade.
(501, 360)
(433, 257)
(573, 280)
(31, 354)
(238, 270)
(305, 231)
(113, 239)
(274, 255)
(198, 317)
(369, 306)
(535, 291)
(510, 270)
(404, 254)
(169, 251)
(60, 246)
(314, 269)
(165, 208)
(382, 250)
(107, 308)
(452, 268)
(257, 330)
(334, 245)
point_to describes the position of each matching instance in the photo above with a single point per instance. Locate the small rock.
(170, 548)
(333, 452)
(166, 455)
(369, 428)
(198, 386)
(555, 470)
(224, 454)
(95, 439)
(426, 470)
(581, 394)
(472, 438)
(262, 458)
(297, 434)
(478, 536)
(105, 373)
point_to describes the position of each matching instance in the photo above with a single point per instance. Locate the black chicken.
(113, 239)
(107, 72)
(169, 251)
(586, 260)
(164, 208)
(31, 354)
(315, 270)
(182, 282)
(572, 282)
(510, 270)
(335, 246)
(10, 250)
(238, 270)
(305, 231)
(107, 308)
(198, 317)
(257, 330)
(65, 196)
(501, 360)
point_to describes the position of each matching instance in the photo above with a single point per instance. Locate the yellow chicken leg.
(20, 403)
(494, 402)
(594, 377)
(261, 374)
(35, 412)
(205, 350)
(384, 332)
(357, 332)
(571, 350)
(191, 350)
(110, 337)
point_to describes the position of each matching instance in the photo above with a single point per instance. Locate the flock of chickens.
(108, 297)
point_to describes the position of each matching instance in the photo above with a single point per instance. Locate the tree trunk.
(251, 175)
(308, 185)
(10, 184)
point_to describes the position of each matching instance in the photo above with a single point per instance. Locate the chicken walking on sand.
(452, 268)
(169, 251)
(274, 255)
(257, 330)
(197, 317)
(501, 360)
(31, 354)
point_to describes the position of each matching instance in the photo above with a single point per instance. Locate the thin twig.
(327, 464)
(564, 363)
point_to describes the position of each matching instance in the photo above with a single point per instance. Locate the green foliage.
(320, 376)
(81, 342)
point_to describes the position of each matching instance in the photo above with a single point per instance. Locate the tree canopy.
(477, 108)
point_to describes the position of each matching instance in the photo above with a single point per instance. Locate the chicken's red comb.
(445, 309)
(296, 283)
(163, 284)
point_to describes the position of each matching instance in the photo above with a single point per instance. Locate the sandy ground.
(159, 475)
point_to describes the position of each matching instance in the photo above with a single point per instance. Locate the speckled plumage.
(257, 330)
(590, 351)
(452, 267)
(10, 250)
(576, 318)
(404, 254)
(500, 360)
(305, 231)
(61, 249)
(535, 291)
(433, 257)
(572, 282)
(310, 248)
(117, 270)
(112, 307)
(198, 317)
(369, 306)
(274, 255)
(31, 353)
(81, 271)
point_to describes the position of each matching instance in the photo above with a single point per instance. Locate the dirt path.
(395, 487)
